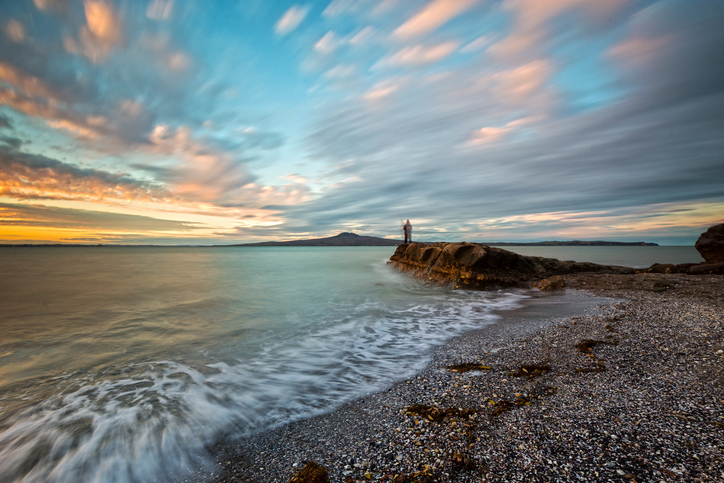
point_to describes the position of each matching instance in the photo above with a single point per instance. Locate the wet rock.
(711, 244)
(707, 268)
(553, 283)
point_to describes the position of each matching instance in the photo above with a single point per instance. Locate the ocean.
(126, 364)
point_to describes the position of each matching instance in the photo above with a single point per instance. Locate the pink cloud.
(420, 54)
(532, 16)
(431, 17)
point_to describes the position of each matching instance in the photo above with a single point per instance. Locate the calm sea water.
(634, 256)
(126, 364)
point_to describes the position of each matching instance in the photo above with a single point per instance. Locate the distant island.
(574, 243)
(347, 239)
(344, 239)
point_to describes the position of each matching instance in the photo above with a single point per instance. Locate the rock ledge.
(472, 265)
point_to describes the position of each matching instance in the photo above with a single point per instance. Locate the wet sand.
(619, 378)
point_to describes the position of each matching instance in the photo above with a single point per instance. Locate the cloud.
(52, 5)
(15, 31)
(102, 33)
(253, 139)
(24, 215)
(33, 176)
(532, 18)
(291, 19)
(477, 45)
(327, 44)
(520, 83)
(11, 141)
(203, 173)
(5, 122)
(421, 55)
(431, 17)
(32, 86)
(159, 9)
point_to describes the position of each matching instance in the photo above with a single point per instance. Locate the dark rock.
(663, 268)
(711, 244)
(684, 267)
(707, 268)
(479, 266)
(553, 283)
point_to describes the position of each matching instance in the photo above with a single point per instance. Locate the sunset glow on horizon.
(185, 122)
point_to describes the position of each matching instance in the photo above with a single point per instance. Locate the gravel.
(627, 388)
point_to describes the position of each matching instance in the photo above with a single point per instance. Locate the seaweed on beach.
(531, 370)
(466, 367)
(586, 345)
(461, 461)
(311, 473)
(586, 370)
(433, 413)
(421, 477)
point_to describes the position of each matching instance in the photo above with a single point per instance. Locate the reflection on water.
(124, 364)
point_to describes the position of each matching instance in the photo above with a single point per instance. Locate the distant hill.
(574, 243)
(344, 239)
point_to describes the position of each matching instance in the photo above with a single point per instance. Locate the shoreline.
(643, 403)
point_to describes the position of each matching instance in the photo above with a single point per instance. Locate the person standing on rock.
(407, 230)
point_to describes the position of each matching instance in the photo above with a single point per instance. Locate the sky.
(197, 122)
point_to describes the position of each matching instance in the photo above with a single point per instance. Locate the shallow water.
(124, 364)
(625, 256)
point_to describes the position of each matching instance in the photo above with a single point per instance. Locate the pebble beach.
(615, 378)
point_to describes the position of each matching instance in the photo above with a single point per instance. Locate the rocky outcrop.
(474, 265)
(556, 282)
(711, 244)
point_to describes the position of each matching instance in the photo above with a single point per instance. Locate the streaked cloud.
(26, 176)
(291, 19)
(532, 18)
(159, 9)
(421, 54)
(431, 17)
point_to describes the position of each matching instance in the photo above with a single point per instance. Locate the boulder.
(663, 268)
(553, 283)
(711, 244)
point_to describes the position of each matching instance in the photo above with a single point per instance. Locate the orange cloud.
(102, 21)
(27, 176)
(520, 83)
(491, 134)
(431, 17)
(31, 85)
(102, 33)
